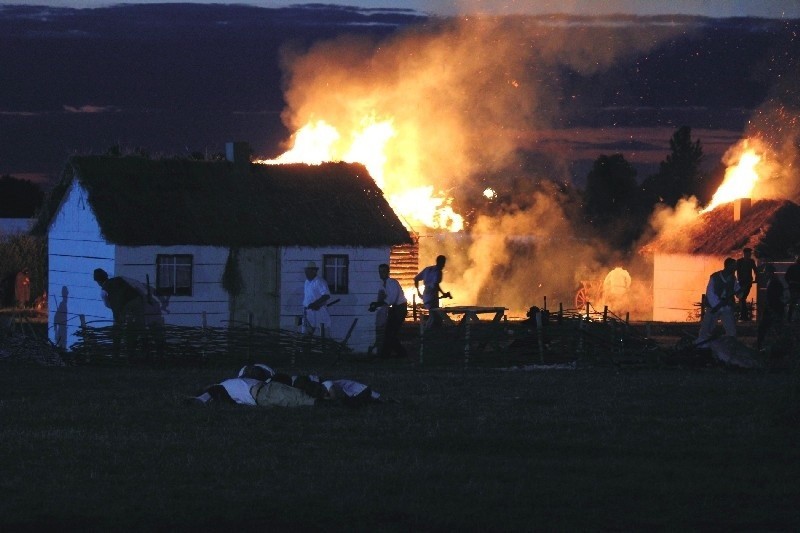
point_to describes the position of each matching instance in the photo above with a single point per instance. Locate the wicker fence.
(96, 344)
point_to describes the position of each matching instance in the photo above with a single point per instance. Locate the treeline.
(619, 207)
(614, 206)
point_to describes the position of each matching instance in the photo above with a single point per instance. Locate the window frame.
(177, 260)
(336, 263)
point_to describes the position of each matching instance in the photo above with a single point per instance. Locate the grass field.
(100, 448)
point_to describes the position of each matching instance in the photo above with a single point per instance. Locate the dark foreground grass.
(472, 450)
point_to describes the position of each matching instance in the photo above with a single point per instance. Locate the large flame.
(740, 179)
(371, 144)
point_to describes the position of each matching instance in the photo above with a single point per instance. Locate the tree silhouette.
(611, 189)
(612, 196)
(19, 198)
(679, 174)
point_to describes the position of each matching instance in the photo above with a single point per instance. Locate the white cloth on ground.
(239, 390)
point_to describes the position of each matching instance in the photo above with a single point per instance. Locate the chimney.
(740, 208)
(238, 153)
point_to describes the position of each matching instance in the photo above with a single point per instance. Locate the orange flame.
(740, 179)
(371, 144)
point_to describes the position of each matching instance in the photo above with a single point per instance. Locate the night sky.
(176, 79)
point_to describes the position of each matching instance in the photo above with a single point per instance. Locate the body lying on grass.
(260, 385)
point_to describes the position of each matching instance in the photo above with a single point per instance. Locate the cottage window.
(336, 271)
(174, 275)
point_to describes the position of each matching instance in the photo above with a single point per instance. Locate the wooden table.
(470, 316)
(470, 313)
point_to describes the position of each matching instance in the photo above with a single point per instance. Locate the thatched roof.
(770, 227)
(139, 201)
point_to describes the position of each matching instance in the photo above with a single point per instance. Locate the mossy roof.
(139, 201)
(770, 227)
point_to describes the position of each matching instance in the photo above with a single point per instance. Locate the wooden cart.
(590, 291)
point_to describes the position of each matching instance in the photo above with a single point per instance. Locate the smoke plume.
(460, 94)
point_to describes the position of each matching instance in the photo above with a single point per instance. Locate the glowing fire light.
(421, 205)
(318, 141)
(739, 182)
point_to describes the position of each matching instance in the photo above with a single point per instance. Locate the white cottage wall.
(208, 296)
(363, 288)
(75, 249)
(679, 281)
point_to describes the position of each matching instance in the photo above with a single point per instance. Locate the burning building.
(693, 244)
(684, 260)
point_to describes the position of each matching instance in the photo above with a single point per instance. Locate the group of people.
(260, 385)
(736, 280)
(134, 310)
(390, 306)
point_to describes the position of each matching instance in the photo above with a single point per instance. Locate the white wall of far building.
(363, 289)
(679, 281)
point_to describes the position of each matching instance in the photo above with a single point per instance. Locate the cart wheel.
(581, 299)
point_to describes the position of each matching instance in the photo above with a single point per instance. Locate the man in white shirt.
(616, 286)
(391, 298)
(431, 276)
(720, 300)
(315, 296)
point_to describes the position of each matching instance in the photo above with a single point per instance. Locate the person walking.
(390, 297)
(431, 276)
(746, 275)
(792, 278)
(315, 295)
(773, 312)
(720, 295)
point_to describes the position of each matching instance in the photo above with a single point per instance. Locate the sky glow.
(711, 8)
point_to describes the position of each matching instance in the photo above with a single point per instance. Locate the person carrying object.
(721, 293)
(792, 278)
(772, 314)
(393, 301)
(127, 308)
(315, 297)
(746, 275)
(431, 276)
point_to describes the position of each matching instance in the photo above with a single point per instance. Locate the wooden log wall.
(404, 263)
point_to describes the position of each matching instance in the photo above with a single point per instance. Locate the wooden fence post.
(421, 340)
(466, 343)
(204, 320)
(249, 337)
(82, 318)
(540, 335)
